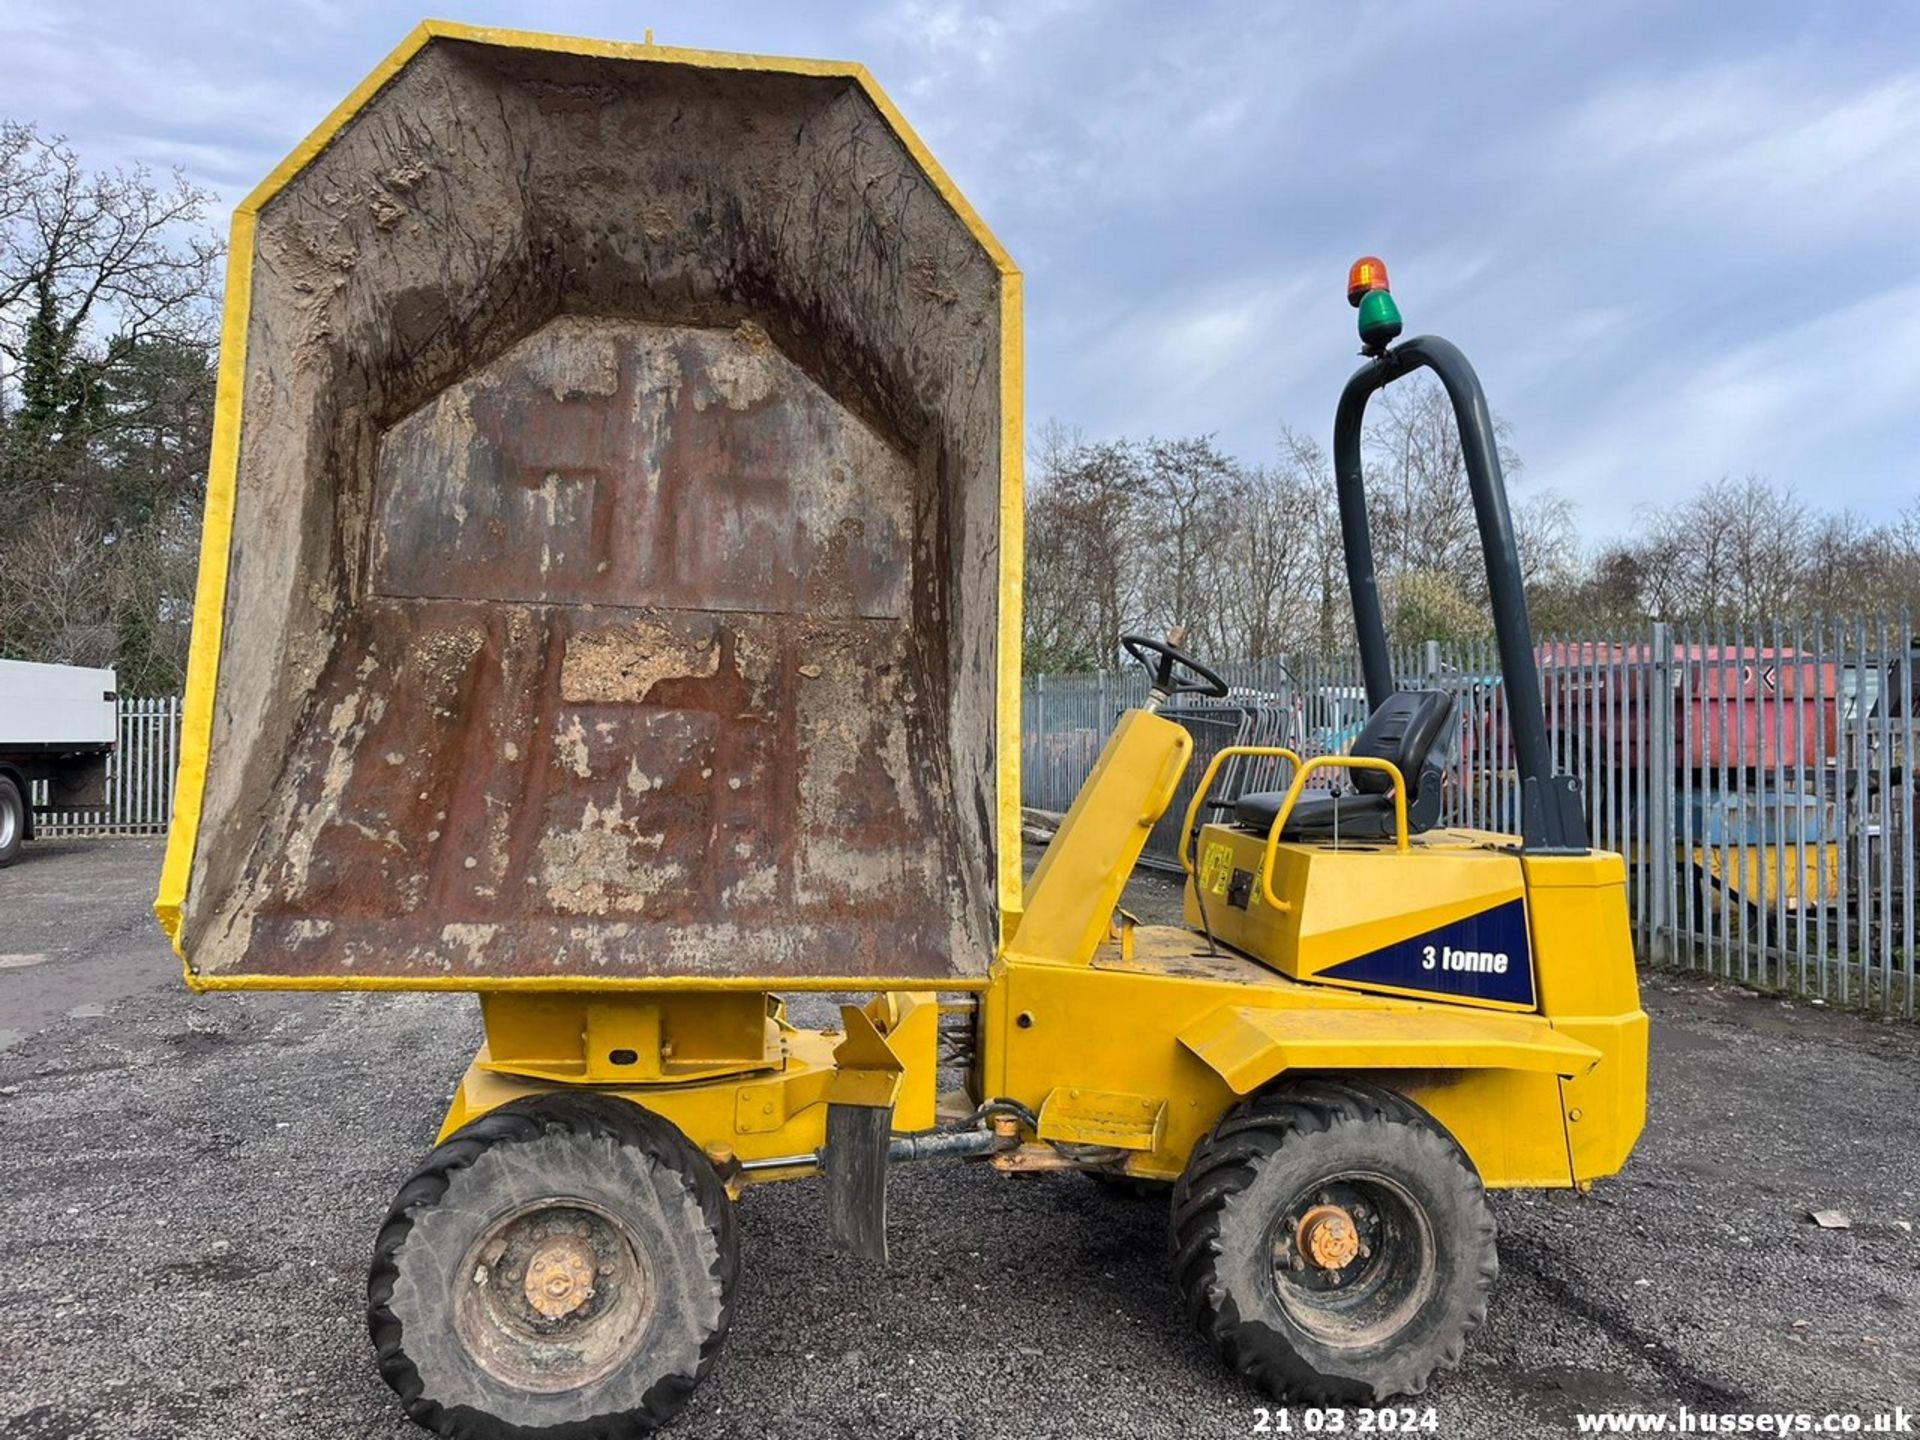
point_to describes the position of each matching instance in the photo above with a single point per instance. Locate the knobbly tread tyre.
(1289, 1126)
(584, 1118)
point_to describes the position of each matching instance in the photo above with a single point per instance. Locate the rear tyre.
(1333, 1243)
(562, 1267)
(13, 820)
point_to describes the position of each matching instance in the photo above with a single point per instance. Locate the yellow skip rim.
(216, 536)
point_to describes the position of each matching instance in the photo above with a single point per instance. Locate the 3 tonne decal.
(1484, 956)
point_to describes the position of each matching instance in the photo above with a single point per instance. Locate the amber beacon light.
(1367, 291)
(1369, 272)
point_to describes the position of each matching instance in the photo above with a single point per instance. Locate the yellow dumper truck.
(610, 608)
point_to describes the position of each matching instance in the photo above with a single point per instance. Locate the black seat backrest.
(1404, 731)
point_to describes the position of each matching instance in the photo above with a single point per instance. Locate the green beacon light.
(1379, 316)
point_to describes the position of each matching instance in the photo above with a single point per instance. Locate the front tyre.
(562, 1266)
(1333, 1243)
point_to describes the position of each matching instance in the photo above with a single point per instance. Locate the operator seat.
(1406, 730)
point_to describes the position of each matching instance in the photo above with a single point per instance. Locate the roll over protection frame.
(1551, 821)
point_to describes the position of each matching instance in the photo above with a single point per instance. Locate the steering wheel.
(1161, 661)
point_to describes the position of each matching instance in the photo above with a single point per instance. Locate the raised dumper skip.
(610, 607)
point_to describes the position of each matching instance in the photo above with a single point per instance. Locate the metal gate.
(139, 777)
(1757, 778)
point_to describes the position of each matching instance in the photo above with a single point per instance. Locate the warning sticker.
(1216, 868)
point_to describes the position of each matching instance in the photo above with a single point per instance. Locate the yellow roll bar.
(1205, 788)
(1330, 762)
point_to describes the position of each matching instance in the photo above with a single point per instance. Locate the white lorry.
(57, 724)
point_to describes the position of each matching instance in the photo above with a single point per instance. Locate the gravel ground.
(189, 1188)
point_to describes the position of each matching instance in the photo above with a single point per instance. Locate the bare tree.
(93, 266)
(1843, 565)
(1902, 560)
(1277, 583)
(1419, 507)
(106, 394)
(1188, 489)
(1087, 537)
(1548, 535)
(58, 590)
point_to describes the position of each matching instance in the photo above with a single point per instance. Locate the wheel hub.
(1352, 1257)
(556, 1294)
(560, 1277)
(1328, 1237)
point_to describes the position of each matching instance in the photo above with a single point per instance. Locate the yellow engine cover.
(1447, 919)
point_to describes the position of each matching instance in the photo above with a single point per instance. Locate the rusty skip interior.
(614, 582)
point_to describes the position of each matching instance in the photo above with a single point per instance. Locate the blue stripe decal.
(1484, 957)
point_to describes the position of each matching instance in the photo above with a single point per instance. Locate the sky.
(1677, 240)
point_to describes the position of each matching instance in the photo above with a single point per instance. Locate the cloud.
(1763, 141)
(1199, 357)
(1661, 237)
(136, 102)
(1809, 404)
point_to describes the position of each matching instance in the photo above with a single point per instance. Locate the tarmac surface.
(189, 1189)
